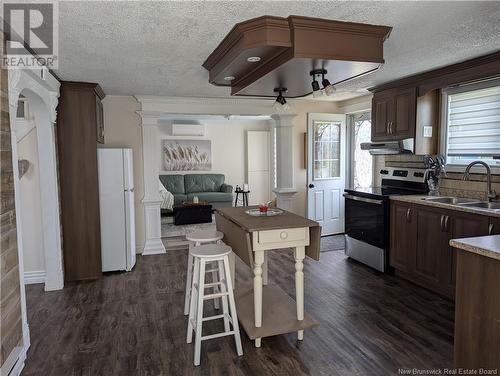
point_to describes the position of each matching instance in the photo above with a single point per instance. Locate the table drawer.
(285, 235)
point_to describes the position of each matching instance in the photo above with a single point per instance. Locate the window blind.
(474, 123)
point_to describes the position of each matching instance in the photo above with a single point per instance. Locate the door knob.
(311, 185)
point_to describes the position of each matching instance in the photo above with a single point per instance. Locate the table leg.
(236, 200)
(299, 256)
(257, 290)
(189, 280)
(264, 270)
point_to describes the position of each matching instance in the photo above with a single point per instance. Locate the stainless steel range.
(367, 214)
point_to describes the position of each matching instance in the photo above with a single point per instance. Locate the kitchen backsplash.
(452, 185)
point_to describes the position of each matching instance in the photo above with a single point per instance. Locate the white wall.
(228, 146)
(122, 129)
(31, 213)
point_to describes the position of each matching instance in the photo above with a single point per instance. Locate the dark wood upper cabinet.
(394, 114)
(77, 123)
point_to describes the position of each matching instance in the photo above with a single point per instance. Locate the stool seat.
(204, 236)
(210, 250)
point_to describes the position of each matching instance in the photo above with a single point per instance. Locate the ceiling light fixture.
(328, 88)
(253, 59)
(229, 78)
(281, 105)
(315, 84)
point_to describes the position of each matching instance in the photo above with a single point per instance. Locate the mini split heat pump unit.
(188, 129)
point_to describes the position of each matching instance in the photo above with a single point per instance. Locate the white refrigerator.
(116, 200)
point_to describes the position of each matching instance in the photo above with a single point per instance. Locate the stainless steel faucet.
(491, 193)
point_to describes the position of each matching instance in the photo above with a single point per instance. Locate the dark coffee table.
(191, 213)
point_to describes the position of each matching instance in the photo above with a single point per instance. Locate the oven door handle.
(363, 199)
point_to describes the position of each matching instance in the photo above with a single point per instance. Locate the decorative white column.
(285, 189)
(151, 201)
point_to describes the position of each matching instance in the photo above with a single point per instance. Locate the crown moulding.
(289, 48)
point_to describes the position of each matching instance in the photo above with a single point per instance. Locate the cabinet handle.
(446, 223)
(442, 219)
(408, 214)
(390, 127)
(490, 229)
(387, 128)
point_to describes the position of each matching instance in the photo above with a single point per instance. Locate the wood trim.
(483, 67)
(76, 85)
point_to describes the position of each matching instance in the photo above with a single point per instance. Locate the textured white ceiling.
(157, 48)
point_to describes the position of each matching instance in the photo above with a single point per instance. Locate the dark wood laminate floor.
(132, 324)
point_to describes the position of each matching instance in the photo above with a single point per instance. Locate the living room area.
(205, 149)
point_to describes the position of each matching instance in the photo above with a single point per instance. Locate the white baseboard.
(31, 278)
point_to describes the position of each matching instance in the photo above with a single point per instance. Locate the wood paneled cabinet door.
(404, 122)
(431, 238)
(402, 239)
(382, 108)
(458, 225)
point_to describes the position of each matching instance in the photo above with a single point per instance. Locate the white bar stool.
(197, 238)
(204, 254)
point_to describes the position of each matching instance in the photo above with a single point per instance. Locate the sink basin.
(483, 205)
(452, 200)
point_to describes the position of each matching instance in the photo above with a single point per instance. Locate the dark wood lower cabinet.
(477, 312)
(419, 247)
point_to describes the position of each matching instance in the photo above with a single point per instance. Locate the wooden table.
(250, 237)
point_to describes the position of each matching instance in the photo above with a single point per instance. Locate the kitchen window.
(472, 118)
(361, 171)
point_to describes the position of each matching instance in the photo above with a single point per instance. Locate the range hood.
(405, 146)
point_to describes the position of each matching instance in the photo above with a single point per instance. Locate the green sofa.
(208, 187)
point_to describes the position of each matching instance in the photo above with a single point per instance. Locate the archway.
(41, 91)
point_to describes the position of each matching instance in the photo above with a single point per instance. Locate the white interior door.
(326, 175)
(258, 167)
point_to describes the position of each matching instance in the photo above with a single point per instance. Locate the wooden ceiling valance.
(287, 49)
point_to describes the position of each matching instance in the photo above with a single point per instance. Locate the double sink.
(466, 202)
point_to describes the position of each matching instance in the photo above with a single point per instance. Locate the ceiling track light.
(328, 88)
(281, 105)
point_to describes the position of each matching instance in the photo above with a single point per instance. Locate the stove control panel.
(407, 174)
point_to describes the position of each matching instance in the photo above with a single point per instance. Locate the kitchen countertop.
(417, 199)
(488, 246)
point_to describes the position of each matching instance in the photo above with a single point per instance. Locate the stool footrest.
(221, 316)
(216, 295)
(213, 284)
(218, 335)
